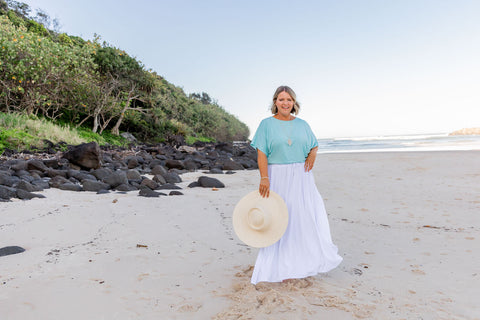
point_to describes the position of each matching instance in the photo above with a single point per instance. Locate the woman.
(287, 148)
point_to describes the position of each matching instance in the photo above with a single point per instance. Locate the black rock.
(25, 195)
(133, 174)
(191, 165)
(231, 165)
(175, 164)
(126, 187)
(90, 185)
(55, 172)
(35, 164)
(159, 179)
(172, 177)
(150, 193)
(86, 155)
(132, 163)
(6, 193)
(24, 185)
(103, 191)
(215, 171)
(149, 183)
(116, 178)
(21, 173)
(51, 163)
(8, 180)
(208, 182)
(102, 173)
(81, 175)
(175, 193)
(57, 181)
(168, 186)
(5, 251)
(40, 184)
(19, 165)
(194, 184)
(158, 169)
(70, 187)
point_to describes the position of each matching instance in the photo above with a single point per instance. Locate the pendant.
(289, 142)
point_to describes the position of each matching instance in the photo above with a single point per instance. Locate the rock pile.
(87, 167)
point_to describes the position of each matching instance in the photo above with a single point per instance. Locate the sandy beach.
(406, 223)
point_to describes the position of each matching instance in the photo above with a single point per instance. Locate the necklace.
(289, 134)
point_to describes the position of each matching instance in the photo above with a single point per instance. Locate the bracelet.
(263, 178)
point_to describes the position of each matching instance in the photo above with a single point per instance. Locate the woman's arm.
(310, 161)
(262, 161)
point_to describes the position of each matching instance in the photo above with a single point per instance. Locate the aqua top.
(284, 141)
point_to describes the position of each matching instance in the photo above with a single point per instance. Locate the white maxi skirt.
(306, 248)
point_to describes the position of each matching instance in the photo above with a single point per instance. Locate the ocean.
(416, 142)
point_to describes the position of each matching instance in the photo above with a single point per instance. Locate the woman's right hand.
(264, 188)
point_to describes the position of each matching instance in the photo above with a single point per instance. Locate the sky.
(359, 68)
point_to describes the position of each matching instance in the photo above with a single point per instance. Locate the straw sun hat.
(260, 222)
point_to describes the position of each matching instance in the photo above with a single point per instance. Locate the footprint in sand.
(470, 238)
(418, 271)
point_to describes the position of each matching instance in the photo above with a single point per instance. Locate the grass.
(191, 140)
(20, 132)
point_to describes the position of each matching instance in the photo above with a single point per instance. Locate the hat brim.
(278, 211)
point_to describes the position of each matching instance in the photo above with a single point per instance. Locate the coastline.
(405, 223)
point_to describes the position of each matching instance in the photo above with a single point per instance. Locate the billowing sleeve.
(311, 139)
(260, 139)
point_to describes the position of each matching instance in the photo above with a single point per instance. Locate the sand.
(407, 225)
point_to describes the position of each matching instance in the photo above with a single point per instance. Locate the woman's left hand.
(310, 161)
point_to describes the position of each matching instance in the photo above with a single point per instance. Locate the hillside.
(83, 83)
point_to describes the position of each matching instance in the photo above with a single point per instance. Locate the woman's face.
(284, 104)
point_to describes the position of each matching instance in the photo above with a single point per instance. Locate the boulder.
(86, 155)
(90, 185)
(5, 251)
(172, 177)
(191, 165)
(168, 186)
(208, 182)
(146, 192)
(41, 184)
(175, 193)
(194, 184)
(6, 193)
(57, 181)
(130, 137)
(81, 175)
(133, 163)
(8, 180)
(158, 169)
(174, 164)
(116, 178)
(231, 165)
(27, 186)
(35, 164)
(149, 183)
(26, 195)
(133, 174)
(55, 172)
(19, 165)
(215, 170)
(69, 186)
(159, 179)
(126, 187)
(102, 173)
(51, 163)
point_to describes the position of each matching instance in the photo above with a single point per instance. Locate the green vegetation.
(20, 132)
(88, 84)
